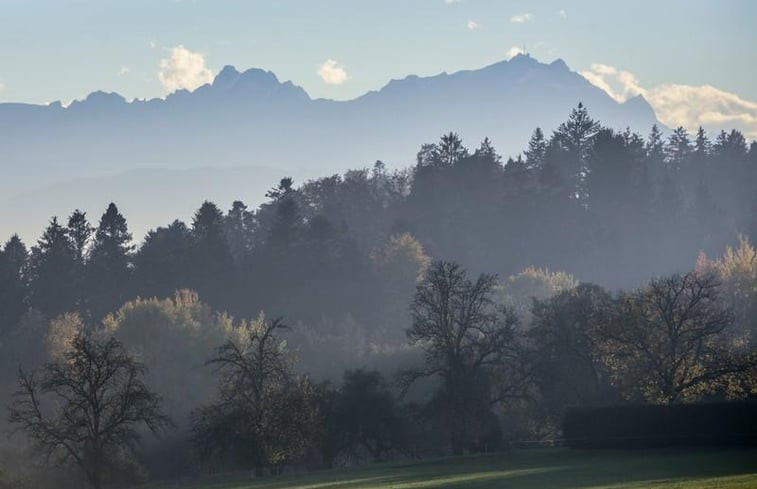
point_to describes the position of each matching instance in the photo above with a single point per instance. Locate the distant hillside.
(251, 119)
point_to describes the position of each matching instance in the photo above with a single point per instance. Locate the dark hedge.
(646, 426)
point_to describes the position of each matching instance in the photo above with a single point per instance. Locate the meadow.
(554, 468)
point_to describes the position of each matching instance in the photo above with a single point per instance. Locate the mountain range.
(233, 138)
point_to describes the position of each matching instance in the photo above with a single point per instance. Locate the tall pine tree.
(13, 289)
(52, 272)
(108, 276)
(575, 136)
(213, 271)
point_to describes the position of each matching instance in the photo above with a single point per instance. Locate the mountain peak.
(99, 99)
(639, 103)
(257, 75)
(104, 97)
(522, 58)
(559, 63)
(229, 77)
(226, 77)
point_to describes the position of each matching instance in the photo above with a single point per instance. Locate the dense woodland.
(460, 305)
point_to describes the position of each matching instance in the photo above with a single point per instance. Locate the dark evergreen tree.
(730, 147)
(213, 272)
(450, 150)
(52, 272)
(80, 232)
(285, 228)
(13, 287)
(17, 255)
(487, 152)
(163, 263)
(678, 148)
(109, 267)
(239, 226)
(656, 147)
(702, 145)
(537, 150)
(575, 137)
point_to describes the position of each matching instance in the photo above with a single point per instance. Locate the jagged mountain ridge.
(252, 119)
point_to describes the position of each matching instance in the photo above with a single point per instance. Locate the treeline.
(610, 207)
(238, 399)
(364, 366)
(343, 252)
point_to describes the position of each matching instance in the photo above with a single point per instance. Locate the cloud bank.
(332, 73)
(680, 105)
(183, 69)
(472, 25)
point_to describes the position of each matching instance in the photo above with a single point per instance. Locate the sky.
(694, 61)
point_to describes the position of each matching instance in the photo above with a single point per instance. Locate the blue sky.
(61, 50)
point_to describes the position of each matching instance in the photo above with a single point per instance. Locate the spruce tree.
(109, 267)
(655, 146)
(80, 231)
(212, 263)
(239, 226)
(575, 137)
(678, 148)
(537, 150)
(163, 264)
(13, 290)
(52, 272)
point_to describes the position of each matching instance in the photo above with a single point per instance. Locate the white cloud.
(122, 71)
(183, 69)
(152, 43)
(450, 2)
(680, 105)
(2, 86)
(472, 25)
(332, 73)
(521, 18)
(562, 13)
(513, 52)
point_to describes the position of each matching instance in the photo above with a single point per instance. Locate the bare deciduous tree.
(264, 415)
(467, 342)
(667, 340)
(87, 407)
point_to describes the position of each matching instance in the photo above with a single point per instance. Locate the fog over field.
(454, 243)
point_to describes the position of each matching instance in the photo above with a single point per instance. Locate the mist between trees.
(445, 308)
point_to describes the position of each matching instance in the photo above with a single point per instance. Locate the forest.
(462, 305)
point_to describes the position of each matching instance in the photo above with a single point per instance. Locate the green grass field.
(543, 468)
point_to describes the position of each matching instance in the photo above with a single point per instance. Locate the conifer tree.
(13, 289)
(52, 272)
(164, 262)
(212, 262)
(537, 150)
(575, 137)
(110, 265)
(80, 232)
(678, 148)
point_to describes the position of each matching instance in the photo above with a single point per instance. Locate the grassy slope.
(549, 468)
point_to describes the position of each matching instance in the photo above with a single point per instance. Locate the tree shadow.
(530, 469)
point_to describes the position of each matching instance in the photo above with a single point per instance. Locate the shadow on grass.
(530, 469)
